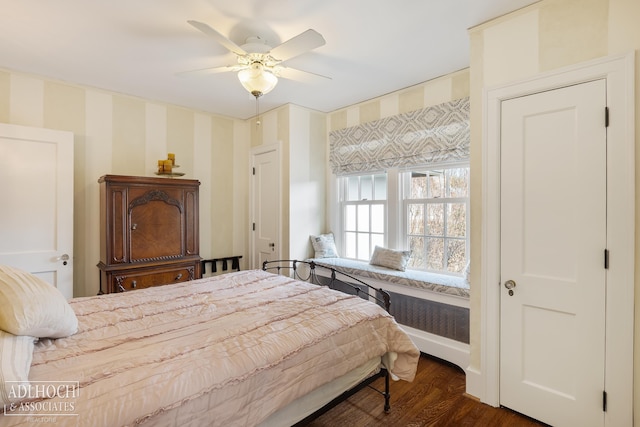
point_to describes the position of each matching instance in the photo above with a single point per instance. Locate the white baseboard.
(474, 383)
(451, 351)
(444, 348)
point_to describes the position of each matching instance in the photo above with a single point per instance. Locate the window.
(364, 203)
(433, 207)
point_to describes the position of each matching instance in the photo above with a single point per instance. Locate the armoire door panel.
(118, 232)
(152, 231)
(192, 237)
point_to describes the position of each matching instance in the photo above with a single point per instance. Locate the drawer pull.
(179, 276)
(134, 284)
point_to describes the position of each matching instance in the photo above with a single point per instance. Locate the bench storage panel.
(432, 309)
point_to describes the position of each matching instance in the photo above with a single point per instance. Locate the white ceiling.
(136, 47)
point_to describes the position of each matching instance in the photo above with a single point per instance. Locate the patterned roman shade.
(437, 134)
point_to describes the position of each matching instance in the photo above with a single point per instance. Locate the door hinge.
(604, 401)
(253, 172)
(606, 117)
(254, 226)
(606, 258)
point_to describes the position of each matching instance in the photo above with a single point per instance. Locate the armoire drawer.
(140, 280)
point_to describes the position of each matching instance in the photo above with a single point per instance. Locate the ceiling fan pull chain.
(257, 111)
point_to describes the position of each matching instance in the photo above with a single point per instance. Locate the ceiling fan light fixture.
(257, 80)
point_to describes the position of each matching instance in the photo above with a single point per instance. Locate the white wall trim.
(619, 73)
(444, 348)
(474, 382)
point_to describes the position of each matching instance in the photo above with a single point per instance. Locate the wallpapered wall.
(545, 36)
(301, 135)
(443, 89)
(118, 134)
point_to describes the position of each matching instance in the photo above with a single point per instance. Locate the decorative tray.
(170, 174)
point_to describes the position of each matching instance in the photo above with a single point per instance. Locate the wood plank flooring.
(435, 398)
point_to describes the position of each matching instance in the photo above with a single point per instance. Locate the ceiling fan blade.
(224, 41)
(298, 74)
(212, 70)
(298, 45)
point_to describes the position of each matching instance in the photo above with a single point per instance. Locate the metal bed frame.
(378, 295)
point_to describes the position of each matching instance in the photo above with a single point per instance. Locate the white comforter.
(227, 350)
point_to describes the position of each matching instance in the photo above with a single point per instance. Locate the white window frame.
(395, 235)
(343, 203)
(405, 201)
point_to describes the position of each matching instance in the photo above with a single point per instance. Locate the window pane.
(435, 219)
(377, 240)
(436, 184)
(380, 187)
(350, 245)
(350, 217)
(458, 182)
(456, 259)
(353, 188)
(456, 219)
(363, 217)
(435, 204)
(418, 186)
(366, 187)
(377, 218)
(418, 253)
(363, 246)
(415, 220)
(435, 254)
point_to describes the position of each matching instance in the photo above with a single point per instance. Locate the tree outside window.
(436, 203)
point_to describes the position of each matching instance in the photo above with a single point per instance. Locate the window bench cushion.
(450, 285)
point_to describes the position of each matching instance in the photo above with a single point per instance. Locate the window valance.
(435, 134)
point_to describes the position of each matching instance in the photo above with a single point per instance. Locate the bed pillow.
(324, 246)
(31, 306)
(390, 258)
(16, 354)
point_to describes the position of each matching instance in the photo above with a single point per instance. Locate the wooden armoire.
(148, 232)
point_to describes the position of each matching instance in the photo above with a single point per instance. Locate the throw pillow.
(31, 306)
(324, 246)
(390, 258)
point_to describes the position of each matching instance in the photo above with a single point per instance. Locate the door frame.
(256, 151)
(47, 263)
(618, 71)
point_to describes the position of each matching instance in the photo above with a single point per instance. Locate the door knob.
(64, 258)
(510, 284)
(272, 245)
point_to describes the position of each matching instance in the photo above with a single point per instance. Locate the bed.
(244, 348)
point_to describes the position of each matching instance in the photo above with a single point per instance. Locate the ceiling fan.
(259, 64)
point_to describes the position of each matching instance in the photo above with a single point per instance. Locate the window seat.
(433, 309)
(450, 285)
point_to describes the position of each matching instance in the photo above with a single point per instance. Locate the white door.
(266, 205)
(553, 240)
(36, 218)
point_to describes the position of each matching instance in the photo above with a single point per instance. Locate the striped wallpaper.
(119, 134)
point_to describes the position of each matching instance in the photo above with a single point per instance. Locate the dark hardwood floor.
(435, 398)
